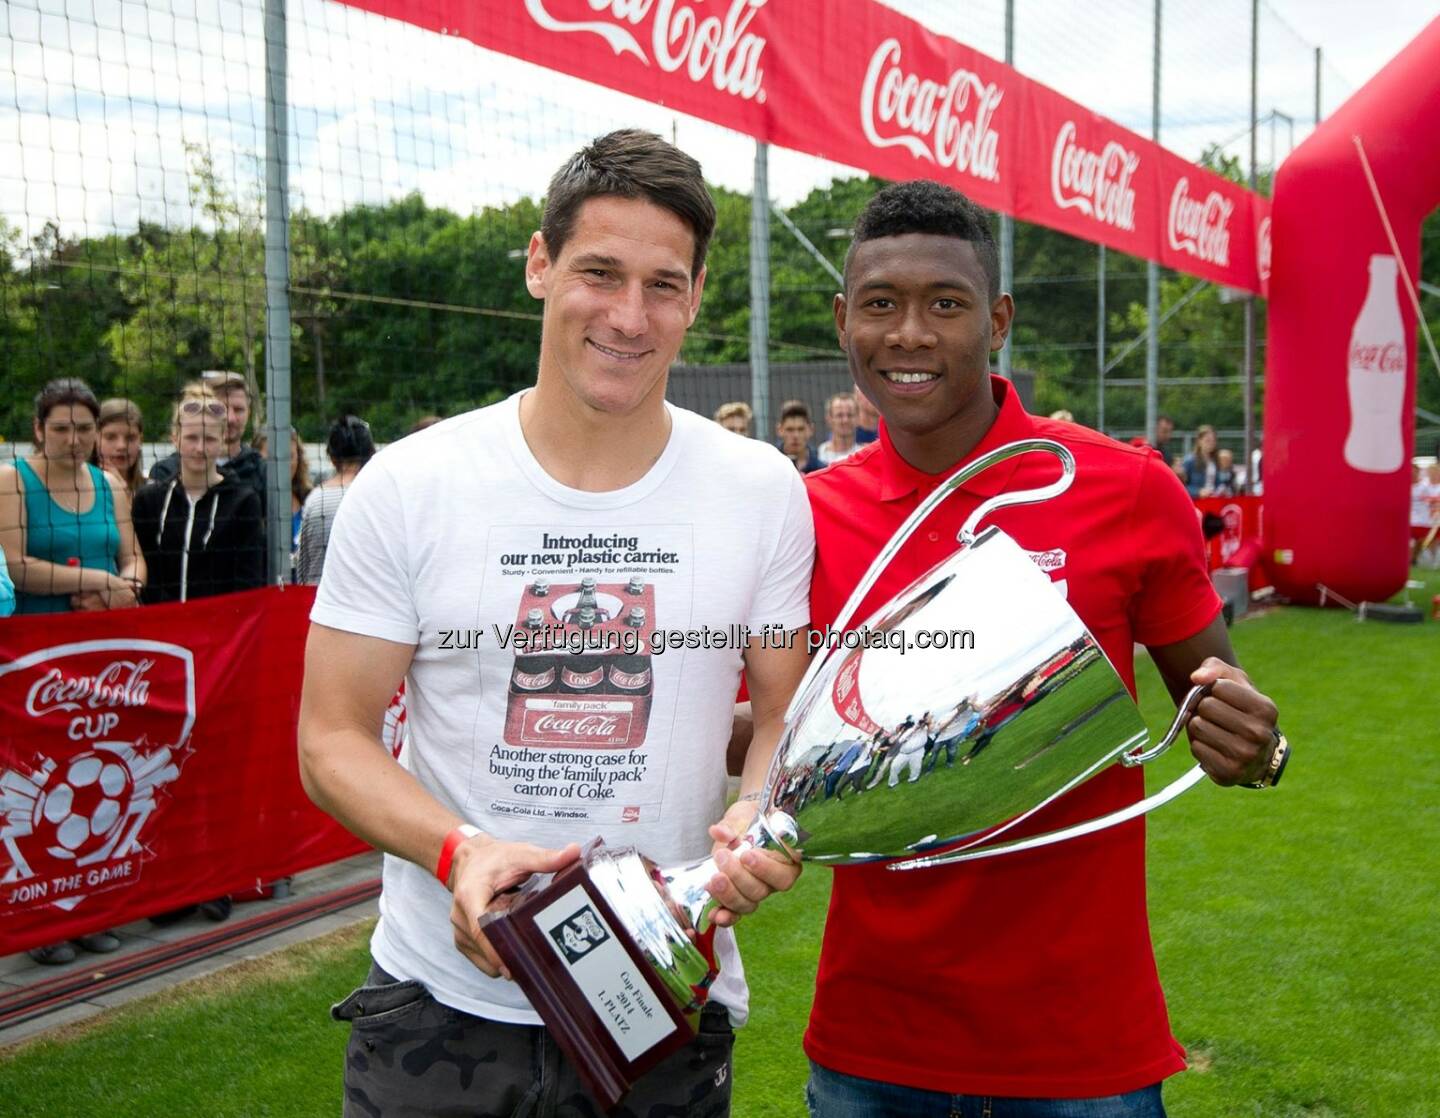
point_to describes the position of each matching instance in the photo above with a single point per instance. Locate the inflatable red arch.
(1341, 356)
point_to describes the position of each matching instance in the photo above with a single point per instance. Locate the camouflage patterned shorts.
(410, 1055)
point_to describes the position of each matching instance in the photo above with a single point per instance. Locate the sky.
(99, 98)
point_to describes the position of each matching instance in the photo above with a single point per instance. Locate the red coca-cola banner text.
(147, 761)
(853, 81)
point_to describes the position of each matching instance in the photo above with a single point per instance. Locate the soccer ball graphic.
(78, 812)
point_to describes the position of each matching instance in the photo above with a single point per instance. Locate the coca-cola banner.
(855, 82)
(147, 761)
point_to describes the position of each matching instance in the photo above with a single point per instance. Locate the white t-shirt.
(441, 542)
(1422, 510)
(827, 453)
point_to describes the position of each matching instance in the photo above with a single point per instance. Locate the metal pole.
(1250, 302)
(1317, 85)
(1007, 223)
(1152, 270)
(1100, 343)
(808, 245)
(760, 293)
(277, 295)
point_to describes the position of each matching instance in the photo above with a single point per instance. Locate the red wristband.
(460, 834)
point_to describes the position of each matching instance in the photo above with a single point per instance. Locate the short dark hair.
(630, 163)
(350, 440)
(922, 206)
(793, 409)
(61, 391)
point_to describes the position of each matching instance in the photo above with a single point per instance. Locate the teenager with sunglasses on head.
(202, 531)
(236, 458)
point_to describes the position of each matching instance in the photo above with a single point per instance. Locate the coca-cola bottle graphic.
(1376, 378)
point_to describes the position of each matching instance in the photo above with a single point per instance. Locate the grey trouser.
(410, 1055)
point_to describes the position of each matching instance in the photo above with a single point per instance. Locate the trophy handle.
(1090, 826)
(1124, 815)
(1182, 717)
(967, 531)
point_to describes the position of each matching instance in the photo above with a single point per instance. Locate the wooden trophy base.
(588, 980)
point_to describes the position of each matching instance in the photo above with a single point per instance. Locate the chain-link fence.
(132, 217)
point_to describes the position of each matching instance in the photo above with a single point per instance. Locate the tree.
(198, 294)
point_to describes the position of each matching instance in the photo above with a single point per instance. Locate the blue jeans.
(832, 1094)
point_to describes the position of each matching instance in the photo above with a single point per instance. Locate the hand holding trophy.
(922, 750)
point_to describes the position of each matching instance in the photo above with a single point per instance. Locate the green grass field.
(1296, 932)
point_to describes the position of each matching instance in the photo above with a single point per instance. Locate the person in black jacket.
(237, 460)
(202, 531)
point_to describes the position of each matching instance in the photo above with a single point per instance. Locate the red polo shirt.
(1029, 975)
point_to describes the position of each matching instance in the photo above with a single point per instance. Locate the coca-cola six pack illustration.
(583, 679)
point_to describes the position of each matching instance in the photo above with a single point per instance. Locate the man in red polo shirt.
(1018, 985)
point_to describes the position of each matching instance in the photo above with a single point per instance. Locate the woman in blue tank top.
(66, 539)
(65, 524)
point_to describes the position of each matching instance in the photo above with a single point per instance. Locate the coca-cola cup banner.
(147, 761)
(853, 81)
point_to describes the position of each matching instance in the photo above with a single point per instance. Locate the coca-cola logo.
(578, 726)
(1386, 357)
(1048, 561)
(1201, 227)
(947, 123)
(534, 681)
(1262, 251)
(720, 49)
(573, 677)
(630, 681)
(121, 683)
(1095, 183)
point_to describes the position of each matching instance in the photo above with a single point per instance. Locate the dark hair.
(792, 409)
(65, 390)
(922, 206)
(300, 483)
(350, 440)
(630, 163)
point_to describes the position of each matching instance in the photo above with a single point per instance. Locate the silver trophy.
(928, 755)
(959, 709)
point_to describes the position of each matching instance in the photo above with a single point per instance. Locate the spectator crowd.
(83, 528)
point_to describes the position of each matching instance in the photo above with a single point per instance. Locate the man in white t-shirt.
(840, 417)
(470, 560)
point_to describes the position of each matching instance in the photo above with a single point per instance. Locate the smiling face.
(618, 300)
(918, 327)
(67, 435)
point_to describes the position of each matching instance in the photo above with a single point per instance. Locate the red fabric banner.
(147, 761)
(853, 81)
